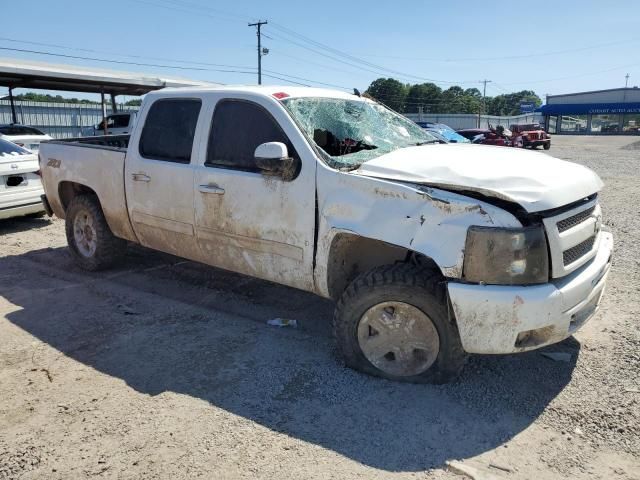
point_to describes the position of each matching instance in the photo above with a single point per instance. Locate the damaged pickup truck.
(430, 250)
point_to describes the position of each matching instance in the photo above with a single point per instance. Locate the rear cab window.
(169, 130)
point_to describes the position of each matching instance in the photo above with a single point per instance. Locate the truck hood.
(534, 180)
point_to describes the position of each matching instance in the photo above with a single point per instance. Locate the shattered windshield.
(351, 132)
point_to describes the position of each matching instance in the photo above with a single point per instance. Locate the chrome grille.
(575, 253)
(576, 219)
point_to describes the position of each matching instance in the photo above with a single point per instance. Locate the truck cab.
(431, 251)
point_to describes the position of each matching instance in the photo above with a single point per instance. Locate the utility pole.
(259, 24)
(484, 98)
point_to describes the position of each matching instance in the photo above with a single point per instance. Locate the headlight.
(506, 256)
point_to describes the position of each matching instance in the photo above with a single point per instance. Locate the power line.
(587, 74)
(103, 52)
(312, 81)
(359, 63)
(121, 62)
(273, 74)
(352, 59)
(507, 57)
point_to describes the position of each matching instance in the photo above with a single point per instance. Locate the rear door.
(245, 221)
(159, 176)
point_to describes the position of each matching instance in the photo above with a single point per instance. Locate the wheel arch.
(68, 190)
(351, 254)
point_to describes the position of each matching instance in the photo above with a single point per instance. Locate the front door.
(159, 177)
(245, 221)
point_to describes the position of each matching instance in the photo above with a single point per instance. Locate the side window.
(169, 130)
(238, 127)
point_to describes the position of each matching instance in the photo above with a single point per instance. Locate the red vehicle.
(533, 135)
(498, 136)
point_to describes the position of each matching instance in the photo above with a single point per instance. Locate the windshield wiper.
(428, 142)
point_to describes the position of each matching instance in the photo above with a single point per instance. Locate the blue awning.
(589, 108)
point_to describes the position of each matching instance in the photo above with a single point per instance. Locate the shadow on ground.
(161, 325)
(23, 224)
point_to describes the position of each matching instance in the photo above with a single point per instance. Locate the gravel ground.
(163, 368)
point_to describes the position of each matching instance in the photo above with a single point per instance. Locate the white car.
(23, 135)
(20, 184)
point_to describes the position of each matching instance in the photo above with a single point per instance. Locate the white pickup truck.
(430, 250)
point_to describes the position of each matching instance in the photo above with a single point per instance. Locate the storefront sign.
(527, 107)
(589, 108)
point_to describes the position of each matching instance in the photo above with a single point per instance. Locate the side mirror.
(272, 158)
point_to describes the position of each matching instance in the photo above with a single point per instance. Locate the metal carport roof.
(27, 74)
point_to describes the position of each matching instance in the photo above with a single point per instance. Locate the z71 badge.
(54, 163)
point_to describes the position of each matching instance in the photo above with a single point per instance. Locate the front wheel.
(393, 322)
(92, 244)
(547, 145)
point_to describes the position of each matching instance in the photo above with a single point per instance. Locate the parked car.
(23, 135)
(117, 124)
(431, 251)
(445, 131)
(499, 136)
(20, 183)
(533, 135)
(611, 128)
(438, 135)
(471, 133)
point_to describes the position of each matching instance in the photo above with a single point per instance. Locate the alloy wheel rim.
(398, 338)
(84, 233)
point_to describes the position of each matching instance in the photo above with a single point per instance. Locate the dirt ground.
(164, 368)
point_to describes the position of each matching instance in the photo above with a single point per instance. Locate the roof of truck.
(267, 90)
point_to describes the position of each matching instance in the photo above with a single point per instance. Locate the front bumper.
(507, 319)
(537, 143)
(20, 210)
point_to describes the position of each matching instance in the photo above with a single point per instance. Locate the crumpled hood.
(534, 180)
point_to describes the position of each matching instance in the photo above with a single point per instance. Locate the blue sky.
(550, 47)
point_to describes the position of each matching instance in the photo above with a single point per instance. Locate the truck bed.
(119, 142)
(95, 163)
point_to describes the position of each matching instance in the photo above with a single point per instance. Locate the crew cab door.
(159, 176)
(246, 221)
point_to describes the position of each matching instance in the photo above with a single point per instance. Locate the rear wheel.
(393, 322)
(90, 240)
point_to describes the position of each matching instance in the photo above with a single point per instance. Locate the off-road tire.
(109, 248)
(420, 287)
(547, 145)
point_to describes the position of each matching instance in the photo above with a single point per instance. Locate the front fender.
(426, 220)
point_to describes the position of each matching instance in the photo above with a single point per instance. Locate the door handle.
(211, 189)
(140, 177)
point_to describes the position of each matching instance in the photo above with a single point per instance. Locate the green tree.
(509, 103)
(453, 100)
(45, 97)
(389, 91)
(425, 95)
